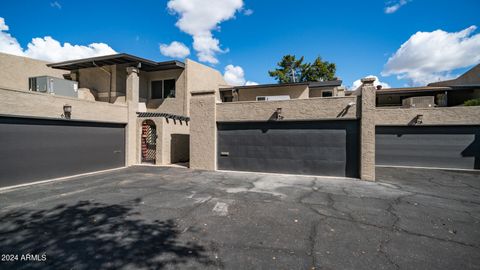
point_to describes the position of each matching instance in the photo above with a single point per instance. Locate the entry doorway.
(149, 141)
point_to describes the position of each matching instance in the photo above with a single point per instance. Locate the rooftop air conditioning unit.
(419, 102)
(53, 86)
(273, 98)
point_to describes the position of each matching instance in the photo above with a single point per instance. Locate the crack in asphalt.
(382, 251)
(312, 240)
(391, 205)
(336, 203)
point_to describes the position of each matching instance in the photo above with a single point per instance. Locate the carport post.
(132, 96)
(367, 130)
(203, 130)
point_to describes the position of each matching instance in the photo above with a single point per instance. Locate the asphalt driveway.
(173, 218)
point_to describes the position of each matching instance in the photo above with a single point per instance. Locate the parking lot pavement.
(174, 218)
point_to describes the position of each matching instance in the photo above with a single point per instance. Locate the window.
(157, 89)
(163, 89)
(169, 89)
(327, 94)
(227, 99)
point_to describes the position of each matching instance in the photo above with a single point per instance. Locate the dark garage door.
(429, 146)
(316, 148)
(38, 149)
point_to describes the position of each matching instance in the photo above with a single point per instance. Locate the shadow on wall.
(473, 150)
(180, 148)
(95, 236)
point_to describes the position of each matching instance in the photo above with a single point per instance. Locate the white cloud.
(432, 56)
(175, 50)
(8, 44)
(199, 18)
(393, 6)
(234, 75)
(356, 84)
(49, 49)
(56, 4)
(248, 12)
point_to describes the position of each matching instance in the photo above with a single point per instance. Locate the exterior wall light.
(67, 111)
(419, 119)
(278, 114)
(350, 104)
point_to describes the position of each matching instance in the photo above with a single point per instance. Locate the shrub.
(472, 102)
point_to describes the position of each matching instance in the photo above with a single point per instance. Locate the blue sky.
(359, 36)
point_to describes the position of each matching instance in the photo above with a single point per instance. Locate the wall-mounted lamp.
(419, 119)
(350, 104)
(67, 111)
(278, 114)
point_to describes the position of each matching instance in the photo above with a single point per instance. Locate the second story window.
(163, 89)
(169, 89)
(157, 89)
(327, 94)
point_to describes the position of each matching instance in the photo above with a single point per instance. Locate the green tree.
(291, 70)
(320, 71)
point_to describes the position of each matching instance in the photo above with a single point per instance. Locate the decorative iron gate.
(149, 141)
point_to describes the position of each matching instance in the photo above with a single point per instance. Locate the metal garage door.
(38, 149)
(316, 148)
(424, 146)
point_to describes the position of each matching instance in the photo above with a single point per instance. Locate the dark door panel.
(317, 148)
(38, 149)
(429, 146)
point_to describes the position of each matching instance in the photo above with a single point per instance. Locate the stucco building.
(125, 110)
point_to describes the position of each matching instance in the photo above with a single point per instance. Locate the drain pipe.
(110, 80)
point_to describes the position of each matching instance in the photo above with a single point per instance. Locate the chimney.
(379, 87)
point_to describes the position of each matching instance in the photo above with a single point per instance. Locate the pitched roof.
(471, 78)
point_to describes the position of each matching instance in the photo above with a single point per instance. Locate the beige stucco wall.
(203, 131)
(132, 96)
(96, 80)
(367, 130)
(171, 146)
(175, 105)
(21, 103)
(168, 145)
(200, 77)
(317, 92)
(299, 109)
(15, 71)
(294, 91)
(101, 85)
(431, 116)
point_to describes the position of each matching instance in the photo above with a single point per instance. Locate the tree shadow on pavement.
(95, 236)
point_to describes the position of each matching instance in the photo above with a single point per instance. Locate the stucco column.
(367, 133)
(203, 130)
(132, 96)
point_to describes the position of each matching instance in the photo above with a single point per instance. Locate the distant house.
(286, 91)
(439, 94)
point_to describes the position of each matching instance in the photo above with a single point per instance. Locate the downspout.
(110, 81)
(446, 98)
